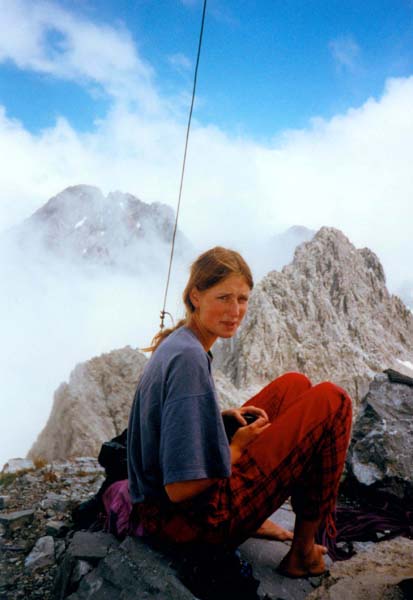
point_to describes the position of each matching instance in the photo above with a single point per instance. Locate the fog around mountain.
(62, 306)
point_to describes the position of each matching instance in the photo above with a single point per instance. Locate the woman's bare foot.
(271, 531)
(298, 564)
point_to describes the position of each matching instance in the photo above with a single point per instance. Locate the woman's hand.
(248, 433)
(237, 413)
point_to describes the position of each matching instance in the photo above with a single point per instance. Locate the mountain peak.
(83, 225)
(327, 314)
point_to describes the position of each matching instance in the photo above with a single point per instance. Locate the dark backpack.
(112, 457)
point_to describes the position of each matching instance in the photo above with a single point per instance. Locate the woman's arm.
(184, 490)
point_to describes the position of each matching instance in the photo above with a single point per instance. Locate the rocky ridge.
(327, 314)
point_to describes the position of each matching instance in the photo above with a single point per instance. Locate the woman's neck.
(206, 338)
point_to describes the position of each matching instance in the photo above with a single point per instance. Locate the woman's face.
(220, 309)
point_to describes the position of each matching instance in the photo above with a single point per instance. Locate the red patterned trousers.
(301, 455)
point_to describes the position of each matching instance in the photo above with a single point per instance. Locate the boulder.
(381, 450)
(17, 519)
(379, 573)
(130, 570)
(42, 555)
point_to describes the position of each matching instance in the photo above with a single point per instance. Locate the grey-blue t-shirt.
(176, 431)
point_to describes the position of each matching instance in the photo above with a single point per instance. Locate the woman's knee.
(336, 396)
(296, 379)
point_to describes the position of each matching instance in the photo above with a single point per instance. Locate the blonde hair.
(210, 268)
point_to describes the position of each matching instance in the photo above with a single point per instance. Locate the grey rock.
(381, 450)
(92, 408)
(57, 528)
(16, 520)
(129, 571)
(374, 574)
(90, 546)
(93, 587)
(84, 546)
(136, 562)
(56, 502)
(4, 500)
(29, 479)
(60, 548)
(43, 554)
(14, 465)
(80, 569)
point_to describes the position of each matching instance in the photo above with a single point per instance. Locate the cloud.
(45, 38)
(345, 52)
(352, 172)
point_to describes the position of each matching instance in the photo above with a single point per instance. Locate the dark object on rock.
(112, 457)
(87, 514)
(213, 573)
(381, 450)
(383, 518)
(231, 424)
(396, 377)
(406, 587)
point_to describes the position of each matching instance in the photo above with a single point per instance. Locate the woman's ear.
(194, 297)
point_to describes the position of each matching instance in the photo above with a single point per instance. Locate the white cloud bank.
(352, 172)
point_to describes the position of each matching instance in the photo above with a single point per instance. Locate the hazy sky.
(304, 115)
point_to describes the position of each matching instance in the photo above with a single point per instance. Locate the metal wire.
(163, 312)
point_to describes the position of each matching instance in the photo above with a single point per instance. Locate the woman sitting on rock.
(186, 481)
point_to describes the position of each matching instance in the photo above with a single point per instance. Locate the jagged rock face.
(381, 450)
(327, 314)
(94, 406)
(82, 224)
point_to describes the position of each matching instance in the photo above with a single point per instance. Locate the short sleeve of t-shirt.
(193, 443)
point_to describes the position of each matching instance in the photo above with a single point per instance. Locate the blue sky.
(266, 66)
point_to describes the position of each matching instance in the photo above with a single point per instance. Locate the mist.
(57, 314)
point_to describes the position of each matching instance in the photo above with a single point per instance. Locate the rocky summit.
(82, 225)
(327, 314)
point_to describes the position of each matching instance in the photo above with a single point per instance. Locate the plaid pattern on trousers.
(301, 455)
